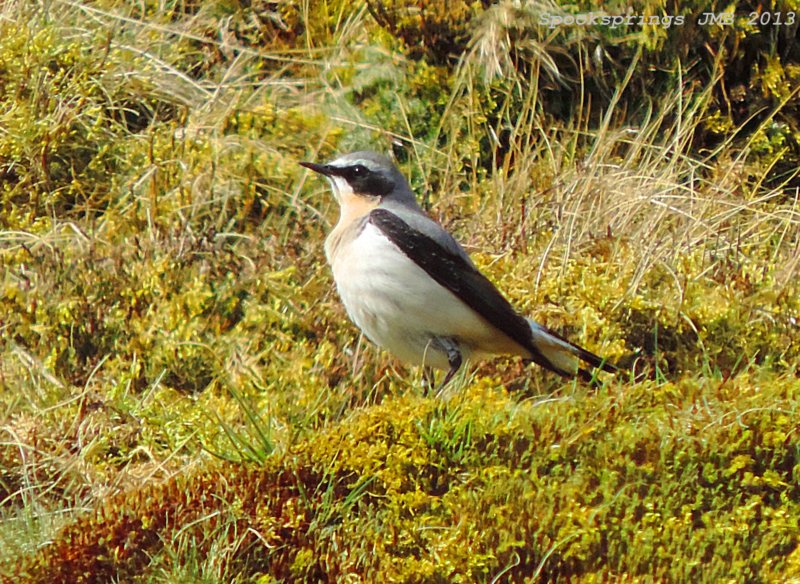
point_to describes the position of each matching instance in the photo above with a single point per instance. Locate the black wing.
(456, 274)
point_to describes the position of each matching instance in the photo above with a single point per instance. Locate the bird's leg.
(428, 379)
(454, 359)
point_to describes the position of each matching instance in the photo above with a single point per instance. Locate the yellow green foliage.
(184, 398)
(584, 486)
(437, 30)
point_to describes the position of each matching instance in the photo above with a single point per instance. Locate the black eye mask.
(366, 182)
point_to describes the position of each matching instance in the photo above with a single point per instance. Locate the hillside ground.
(184, 399)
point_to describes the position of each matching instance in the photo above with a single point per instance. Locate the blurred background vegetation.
(184, 399)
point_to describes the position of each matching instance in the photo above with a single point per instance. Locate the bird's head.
(364, 174)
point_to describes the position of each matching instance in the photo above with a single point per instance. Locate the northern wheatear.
(413, 290)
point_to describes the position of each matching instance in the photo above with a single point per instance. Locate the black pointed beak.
(323, 169)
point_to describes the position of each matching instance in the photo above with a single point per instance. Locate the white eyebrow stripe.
(363, 162)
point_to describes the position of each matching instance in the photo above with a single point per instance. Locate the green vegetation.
(183, 398)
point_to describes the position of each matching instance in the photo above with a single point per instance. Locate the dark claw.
(455, 360)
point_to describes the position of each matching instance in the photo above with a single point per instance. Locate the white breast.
(398, 305)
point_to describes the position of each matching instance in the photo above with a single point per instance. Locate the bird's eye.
(359, 170)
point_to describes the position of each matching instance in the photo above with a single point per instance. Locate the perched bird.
(413, 290)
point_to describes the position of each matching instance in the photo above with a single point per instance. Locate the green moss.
(581, 489)
(438, 31)
(164, 299)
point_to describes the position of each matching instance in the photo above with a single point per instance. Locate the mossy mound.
(672, 482)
